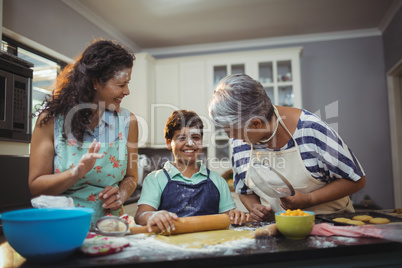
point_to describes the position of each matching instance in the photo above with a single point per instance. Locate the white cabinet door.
(194, 94)
(142, 90)
(278, 70)
(180, 85)
(219, 155)
(280, 76)
(167, 99)
(193, 87)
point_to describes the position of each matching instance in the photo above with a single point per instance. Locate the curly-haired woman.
(84, 144)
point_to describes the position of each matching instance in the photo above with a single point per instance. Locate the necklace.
(276, 128)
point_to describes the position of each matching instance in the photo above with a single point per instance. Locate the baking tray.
(374, 214)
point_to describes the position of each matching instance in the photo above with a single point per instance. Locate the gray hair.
(237, 99)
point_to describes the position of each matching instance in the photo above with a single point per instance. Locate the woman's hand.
(299, 200)
(88, 160)
(260, 212)
(334, 190)
(111, 198)
(162, 219)
(238, 217)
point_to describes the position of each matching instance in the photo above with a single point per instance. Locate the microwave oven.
(15, 98)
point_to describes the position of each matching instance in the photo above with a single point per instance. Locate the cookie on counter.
(354, 222)
(379, 221)
(364, 218)
(343, 220)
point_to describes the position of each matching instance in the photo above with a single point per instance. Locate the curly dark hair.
(180, 119)
(74, 85)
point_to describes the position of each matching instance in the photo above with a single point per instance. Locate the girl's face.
(186, 145)
(114, 90)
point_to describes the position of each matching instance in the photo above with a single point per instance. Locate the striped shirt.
(322, 150)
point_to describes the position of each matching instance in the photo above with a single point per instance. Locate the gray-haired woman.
(273, 142)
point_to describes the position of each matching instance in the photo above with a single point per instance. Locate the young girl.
(184, 187)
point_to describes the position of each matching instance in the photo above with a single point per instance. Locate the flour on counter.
(144, 241)
(320, 242)
(346, 240)
(146, 248)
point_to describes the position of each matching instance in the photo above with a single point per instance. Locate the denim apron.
(109, 170)
(190, 199)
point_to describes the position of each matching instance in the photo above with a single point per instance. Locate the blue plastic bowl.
(46, 234)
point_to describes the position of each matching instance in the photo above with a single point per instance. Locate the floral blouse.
(112, 133)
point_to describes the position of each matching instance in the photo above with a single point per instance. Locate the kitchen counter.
(278, 251)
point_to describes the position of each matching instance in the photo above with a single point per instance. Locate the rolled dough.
(208, 238)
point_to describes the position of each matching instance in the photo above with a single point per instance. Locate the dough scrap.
(208, 238)
(268, 230)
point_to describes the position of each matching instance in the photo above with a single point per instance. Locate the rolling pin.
(191, 224)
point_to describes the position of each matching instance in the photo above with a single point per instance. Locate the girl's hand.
(238, 217)
(111, 198)
(88, 160)
(162, 219)
(260, 212)
(299, 200)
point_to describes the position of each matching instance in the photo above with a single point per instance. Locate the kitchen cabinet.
(278, 70)
(160, 86)
(192, 87)
(180, 84)
(166, 100)
(142, 92)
